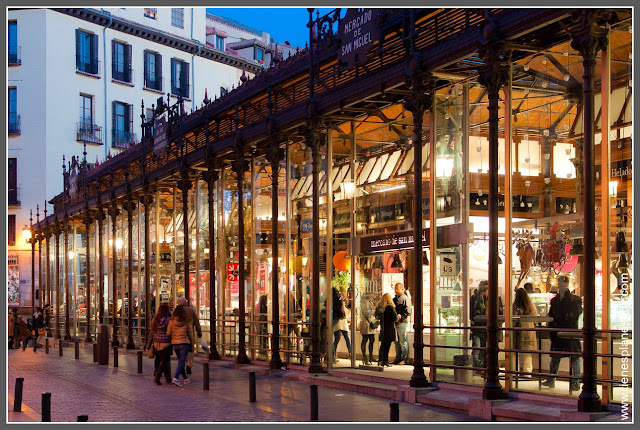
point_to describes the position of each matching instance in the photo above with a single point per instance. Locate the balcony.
(14, 124)
(15, 55)
(90, 133)
(154, 83)
(88, 66)
(14, 197)
(125, 77)
(122, 139)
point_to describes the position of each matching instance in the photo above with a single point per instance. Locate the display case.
(541, 302)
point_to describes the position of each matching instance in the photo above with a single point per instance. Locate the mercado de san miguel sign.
(447, 236)
(357, 32)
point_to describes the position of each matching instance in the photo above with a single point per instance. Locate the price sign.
(448, 263)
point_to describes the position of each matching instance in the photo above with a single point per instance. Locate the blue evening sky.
(283, 24)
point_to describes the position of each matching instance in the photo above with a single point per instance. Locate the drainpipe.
(193, 73)
(104, 64)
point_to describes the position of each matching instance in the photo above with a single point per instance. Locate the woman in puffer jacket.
(159, 341)
(180, 331)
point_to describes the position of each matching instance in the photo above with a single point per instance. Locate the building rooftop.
(235, 23)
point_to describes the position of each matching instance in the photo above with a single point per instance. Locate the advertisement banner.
(13, 284)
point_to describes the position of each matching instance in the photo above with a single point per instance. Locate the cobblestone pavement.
(109, 394)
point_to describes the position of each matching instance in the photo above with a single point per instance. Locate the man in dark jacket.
(403, 309)
(565, 309)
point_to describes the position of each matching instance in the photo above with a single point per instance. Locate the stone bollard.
(139, 361)
(205, 376)
(46, 345)
(314, 402)
(77, 349)
(17, 400)
(83, 418)
(95, 352)
(60, 348)
(115, 356)
(395, 412)
(252, 386)
(46, 407)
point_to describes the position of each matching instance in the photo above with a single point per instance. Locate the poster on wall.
(13, 284)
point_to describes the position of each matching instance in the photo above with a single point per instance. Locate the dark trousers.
(363, 346)
(336, 340)
(384, 352)
(574, 363)
(162, 363)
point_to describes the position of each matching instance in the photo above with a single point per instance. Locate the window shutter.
(114, 131)
(173, 77)
(127, 71)
(114, 60)
(94, 54)
(159, 72)
(184, 79)
(78, 50)
(146, 68)
(128, 119)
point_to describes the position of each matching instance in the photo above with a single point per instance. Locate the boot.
(549, 383)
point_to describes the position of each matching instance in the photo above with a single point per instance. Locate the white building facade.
(79, 76)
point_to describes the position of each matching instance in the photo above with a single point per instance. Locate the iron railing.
(153, 83)
(122, 139)
(15, 55)
(87, 132)
(14, 124)
(14, 196)
(88, 66)
(123, 77)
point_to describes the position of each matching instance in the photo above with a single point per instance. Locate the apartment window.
(12, 230)
(14, 49)
(259, 54)
(177, 17)
(121, 61)
(153, 70)
(13, 182)
(179, 78)
(86, 52)
(86, 109)
(14, 118)
(88, 131)
(122, 125)
(151, 12)
(220, 43)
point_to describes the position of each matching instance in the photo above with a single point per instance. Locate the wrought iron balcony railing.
(88, 66)
(14, 124)
(122, 139)
(154, 83)
(87, 132)
(15, 56)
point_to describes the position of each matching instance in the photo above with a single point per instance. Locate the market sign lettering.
(357, 32)
(160, 131)
(448, 235)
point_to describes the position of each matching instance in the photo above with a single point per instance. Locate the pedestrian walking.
(23, 333)
(386, 313)
(14, 329)
(159, 344)
(180, 331)
(39, 328)
(195, 323)
(341, 325)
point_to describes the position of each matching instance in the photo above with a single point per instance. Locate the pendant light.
(396, 264)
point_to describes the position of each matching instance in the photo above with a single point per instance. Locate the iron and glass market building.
(312, 174)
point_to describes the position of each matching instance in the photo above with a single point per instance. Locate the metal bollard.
(35, 344)
(252, 386)
(395, 412)
(115, 356)
(95, 352)
(83, 418)
(205, 376)
(60, 346)
(139, 361)
(46, 407)
(17, 400)
(77, 346)
(314, 402)
(46, 345)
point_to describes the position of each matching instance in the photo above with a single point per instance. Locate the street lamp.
(26, 233)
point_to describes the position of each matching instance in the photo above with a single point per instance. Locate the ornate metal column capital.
(240, 165)
(588, 37)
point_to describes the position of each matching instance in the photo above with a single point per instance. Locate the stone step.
(526, 411)
(449, 399)
(471, 389)
(384, 391)
(368, 377)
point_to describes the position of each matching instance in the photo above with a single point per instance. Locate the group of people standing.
(22, 332)
(173, 333)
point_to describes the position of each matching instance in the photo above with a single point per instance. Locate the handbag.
(151, 352)
(373, 325)
(41, 332)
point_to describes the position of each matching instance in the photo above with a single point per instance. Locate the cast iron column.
(493, 74)
(147, 201)
(419, 101)
(57, 231)
(130, 208)
(67, 331)
(184, 184)
(212, 177)
(33, 267)
(588, 38)
(47, 314)
(274, 155)
(114, 280)
(87, 223)
(240, 166)
(100, 216)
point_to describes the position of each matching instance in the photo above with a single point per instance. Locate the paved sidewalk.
(109, 394)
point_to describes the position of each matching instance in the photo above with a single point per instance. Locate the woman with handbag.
(180, 331)
(39, 327)
(158, 344)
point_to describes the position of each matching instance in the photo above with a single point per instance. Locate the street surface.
(108, 394)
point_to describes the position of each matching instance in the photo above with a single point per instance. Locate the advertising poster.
(13, 282)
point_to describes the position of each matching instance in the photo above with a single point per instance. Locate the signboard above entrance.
(357, 32)
(447, 236)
